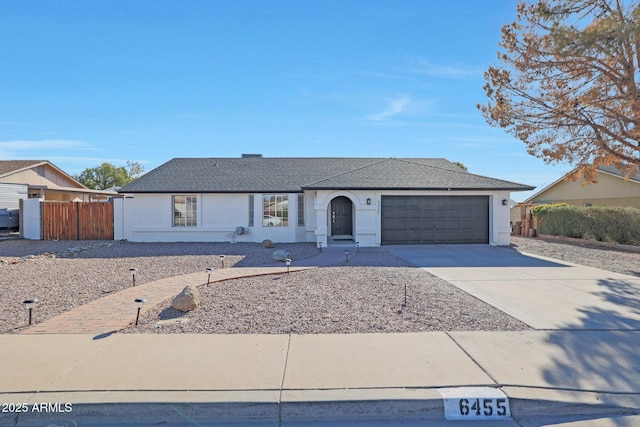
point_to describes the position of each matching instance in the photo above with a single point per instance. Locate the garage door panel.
(435, 219)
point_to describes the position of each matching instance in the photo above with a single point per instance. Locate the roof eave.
(422, 188)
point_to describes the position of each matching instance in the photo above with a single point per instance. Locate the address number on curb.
(475, 403)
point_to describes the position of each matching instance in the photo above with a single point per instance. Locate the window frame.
(275, 205)
(190, 202)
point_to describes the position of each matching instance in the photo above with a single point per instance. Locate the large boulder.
(279, 255)
(187, 300)
(268, 244)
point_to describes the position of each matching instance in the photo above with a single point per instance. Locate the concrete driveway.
(542, 292)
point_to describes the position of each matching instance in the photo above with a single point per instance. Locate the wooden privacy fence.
(77, 220)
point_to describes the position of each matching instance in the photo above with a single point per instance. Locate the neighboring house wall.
(148, 217)
(608, 191)
(10, 195)
(40, 175)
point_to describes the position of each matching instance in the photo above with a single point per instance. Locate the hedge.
(606, 224)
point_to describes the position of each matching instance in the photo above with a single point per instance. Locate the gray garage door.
(434, 219)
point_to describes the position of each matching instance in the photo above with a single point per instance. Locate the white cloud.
(45, 144)
(394, 107)
(421, 66)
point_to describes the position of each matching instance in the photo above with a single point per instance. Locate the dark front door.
(341, 217)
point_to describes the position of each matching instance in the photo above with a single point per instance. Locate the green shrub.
(609, 224)
(539, 210)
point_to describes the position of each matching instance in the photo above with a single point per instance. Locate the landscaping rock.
(187, 300)
(279, 255)
(268, 244)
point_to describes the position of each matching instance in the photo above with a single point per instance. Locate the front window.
(275, 210)
(185, 210)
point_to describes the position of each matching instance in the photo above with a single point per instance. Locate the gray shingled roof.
(290, 175)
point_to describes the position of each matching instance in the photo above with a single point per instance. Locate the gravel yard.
(73, 273)
(583, 253)
(332, 300)
(361, 297)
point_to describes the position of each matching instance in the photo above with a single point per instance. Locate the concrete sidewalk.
(203, 379)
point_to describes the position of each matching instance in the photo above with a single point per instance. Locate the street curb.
(274, 412)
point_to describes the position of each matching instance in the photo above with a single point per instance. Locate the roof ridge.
(462, 171)
(349, 171)
(406, 160)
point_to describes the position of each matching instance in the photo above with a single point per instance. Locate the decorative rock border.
(67, 253)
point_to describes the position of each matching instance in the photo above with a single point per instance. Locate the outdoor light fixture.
(30, 303)
(320, 245)
(504, 202)
(222, 260)
(368, 200)
(209, 271)
(405, 296)
(140, 302)
(346, 256)
(288, 262)
(133, 275)
(358, 247)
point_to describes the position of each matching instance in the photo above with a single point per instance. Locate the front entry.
(341, 217)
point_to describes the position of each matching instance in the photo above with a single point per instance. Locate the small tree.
(460, 165)
(567, 83)
(107, 175)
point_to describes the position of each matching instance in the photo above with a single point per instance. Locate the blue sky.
(84, 82)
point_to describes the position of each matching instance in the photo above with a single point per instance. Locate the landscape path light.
(133, 272)
(140, 302)
(346, 256)
(288, 262)
(358, 247)
(320, 245)
(209, 271)
(30, 304)
(405, 296)
(222, 260)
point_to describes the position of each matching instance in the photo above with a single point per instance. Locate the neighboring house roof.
(14, 167)
(609, 170)
(290, 174)
(9, 167)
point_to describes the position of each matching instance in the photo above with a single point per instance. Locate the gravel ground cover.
(66, 274)
(583, 253)
(63, 275)
(344, 299)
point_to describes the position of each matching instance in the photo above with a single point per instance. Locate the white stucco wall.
(31, 222)
(499, 218)
(148, 217)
